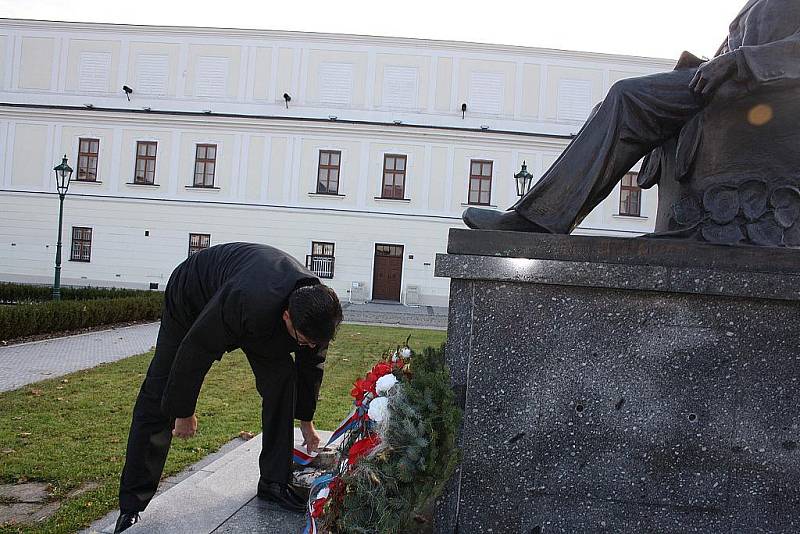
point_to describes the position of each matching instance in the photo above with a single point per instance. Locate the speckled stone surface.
(623, 396)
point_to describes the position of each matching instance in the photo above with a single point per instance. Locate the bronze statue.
(722, 140)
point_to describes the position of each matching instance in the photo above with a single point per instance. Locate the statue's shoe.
(483, 219)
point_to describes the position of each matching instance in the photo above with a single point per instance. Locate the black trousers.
(151, 430)
(637, 115)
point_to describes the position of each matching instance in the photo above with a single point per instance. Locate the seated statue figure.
(721, 139)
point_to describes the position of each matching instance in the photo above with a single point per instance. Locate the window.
(328, 173)
(205, 162)
(630, 196)
(81, 244)
(87, 159)
(321, 260)
(394, 176)
(480, 182)
(198, 242)
(145, 163)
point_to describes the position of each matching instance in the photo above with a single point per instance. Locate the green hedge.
(10, 293)
(21, 320)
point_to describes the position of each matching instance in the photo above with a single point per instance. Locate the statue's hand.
(712, 74)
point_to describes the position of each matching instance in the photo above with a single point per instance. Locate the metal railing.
(322, 266)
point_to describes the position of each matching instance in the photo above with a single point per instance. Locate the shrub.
(12, 293)
(57, 316)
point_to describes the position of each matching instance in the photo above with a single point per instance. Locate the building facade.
(355, 154)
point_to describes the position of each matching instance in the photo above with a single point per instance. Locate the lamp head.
(63, 176)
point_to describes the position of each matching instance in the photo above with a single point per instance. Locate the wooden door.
(387, 272)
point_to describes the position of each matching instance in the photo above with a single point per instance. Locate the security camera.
(287, 98)
(128, 91)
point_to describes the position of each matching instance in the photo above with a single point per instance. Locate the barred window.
(81, 244)
(321, 260)
(88, 150)
(198, 242)
(630, 196)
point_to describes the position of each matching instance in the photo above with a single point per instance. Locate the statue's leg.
(638, 115)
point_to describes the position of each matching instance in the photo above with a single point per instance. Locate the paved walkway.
(217, 496)
(27, 363)
(39, 360)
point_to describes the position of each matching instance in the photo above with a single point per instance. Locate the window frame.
(328, 168)
(395, 173)
(323, 257)
(146, 158)
(482, 178)
(205, 162)
(89, 155)
(633, 191)
(195, 249)
(83, 244)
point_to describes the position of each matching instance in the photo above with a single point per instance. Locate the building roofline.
(409, 42)
(200, 114)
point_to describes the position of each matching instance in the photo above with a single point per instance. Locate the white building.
(366, 167)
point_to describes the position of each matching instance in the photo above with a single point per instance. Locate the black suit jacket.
(231, 296)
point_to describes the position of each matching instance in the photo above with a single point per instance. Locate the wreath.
(397, 453)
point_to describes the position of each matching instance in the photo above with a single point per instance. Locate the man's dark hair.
(315, 312)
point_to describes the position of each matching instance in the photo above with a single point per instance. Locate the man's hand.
(310, 437)
(711, 74)
(185, 427)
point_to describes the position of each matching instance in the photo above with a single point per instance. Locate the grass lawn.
(72, 430)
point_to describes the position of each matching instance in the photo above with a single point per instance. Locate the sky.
(660, 29)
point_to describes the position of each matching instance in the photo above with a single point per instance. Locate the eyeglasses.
(301, 339)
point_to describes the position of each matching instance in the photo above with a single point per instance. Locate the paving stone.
(265, 518)
(39, 360)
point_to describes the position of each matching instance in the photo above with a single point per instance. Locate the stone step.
(220, 497)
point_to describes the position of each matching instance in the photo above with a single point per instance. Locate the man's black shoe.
(282, 495)
(126, 521)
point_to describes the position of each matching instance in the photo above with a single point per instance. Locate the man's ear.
(286, 315)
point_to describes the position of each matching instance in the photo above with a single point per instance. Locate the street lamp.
(523, 179)
(63, 177)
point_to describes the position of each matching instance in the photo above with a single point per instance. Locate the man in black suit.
(641, 114)
(236, 295)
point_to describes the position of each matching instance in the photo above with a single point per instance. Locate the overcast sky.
(661, 28)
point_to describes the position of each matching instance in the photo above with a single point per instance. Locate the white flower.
(323, 493)
(385, 383)
(378, 409)
(405, 353)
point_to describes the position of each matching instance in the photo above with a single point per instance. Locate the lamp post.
(63, 177)
(523, 179)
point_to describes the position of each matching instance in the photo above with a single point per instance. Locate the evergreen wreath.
(398, 454)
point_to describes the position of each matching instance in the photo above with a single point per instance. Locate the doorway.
(387, 272)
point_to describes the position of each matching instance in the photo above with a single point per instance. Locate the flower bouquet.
(398, 449)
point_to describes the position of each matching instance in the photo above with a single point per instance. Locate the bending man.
(236, 295)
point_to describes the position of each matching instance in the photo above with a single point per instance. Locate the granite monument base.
(623, 385)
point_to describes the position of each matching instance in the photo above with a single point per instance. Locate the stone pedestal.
(623, 385)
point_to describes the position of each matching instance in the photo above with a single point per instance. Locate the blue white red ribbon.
(316, 487)
(300, 457)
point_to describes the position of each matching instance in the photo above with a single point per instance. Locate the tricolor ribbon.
(319, 483)
(351, 421)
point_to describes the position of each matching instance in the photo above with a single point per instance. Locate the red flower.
(360, 388)
(382, 368)
(316, 507)
(337, 489)
(361, 448)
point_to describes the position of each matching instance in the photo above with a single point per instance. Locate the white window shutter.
(574, 100)
(94, 72)
(400, 87)
(151, 74)
(487, 92)
(212, 77)
(336, 83)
